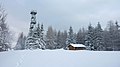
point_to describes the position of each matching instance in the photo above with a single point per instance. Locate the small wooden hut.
(76, 47)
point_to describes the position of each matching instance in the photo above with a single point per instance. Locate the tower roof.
(33, 12)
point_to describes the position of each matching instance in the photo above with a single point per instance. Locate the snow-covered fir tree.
(117, 36)
(59, 40)
(80, 38)
(5, 33)
(63, 39)
(94, 38)
(35, 37)
(112, 36)
(99, 43)
(71, 37)
(89, 39)
(51, 38)
(21, 42)
(65, 34)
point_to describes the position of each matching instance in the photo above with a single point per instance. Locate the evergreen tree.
(21, 42)
(59, 40)
(5, 33)
(117, 37)
(89, 39)
(81, 36)
(71, 37)
(98, 38)
(63, 38)
(51, 38)
(37, 38)
(111, 36)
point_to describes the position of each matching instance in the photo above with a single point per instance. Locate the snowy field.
(59, 58)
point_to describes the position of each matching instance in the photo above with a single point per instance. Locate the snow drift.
(59, 58)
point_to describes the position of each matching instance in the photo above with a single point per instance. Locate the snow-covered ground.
(59, 58)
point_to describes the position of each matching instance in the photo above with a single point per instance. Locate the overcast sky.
(61, 14)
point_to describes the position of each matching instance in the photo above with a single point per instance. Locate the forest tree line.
(94, 38)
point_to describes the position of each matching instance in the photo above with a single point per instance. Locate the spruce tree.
(89, 39)
(71, 37)
(59, 41)
(5, 34)
(80, 38)
(99, 44)
(51, 38)
(21, 42)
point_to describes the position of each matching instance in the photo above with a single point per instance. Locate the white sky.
(61, 14)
